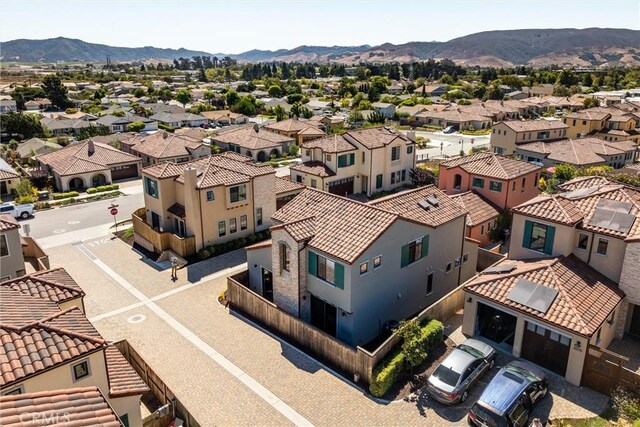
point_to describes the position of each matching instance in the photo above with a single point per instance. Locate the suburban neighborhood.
(438, 233)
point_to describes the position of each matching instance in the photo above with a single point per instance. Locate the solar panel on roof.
(424, 205)
(612, 220)
(614, 205)
(576, 194)
(433, 201)
(532, 295)
(502, 268)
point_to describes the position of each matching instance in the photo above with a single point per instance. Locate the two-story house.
(252, 141)
(300, 130)
(11, 256)
(164, 147)
(360, 161)
(9, 178)
(348, 268)
(582, 123)
(506, 135)
(503, 181)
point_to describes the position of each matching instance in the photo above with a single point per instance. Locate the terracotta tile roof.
(238, 157)
(75, 159)
(6, 171)
(78, 407)
(555, 209)
(330, 144)
(589, 114)
(376, 137)
(480, 209)
(292, 125)
(584, 301)
(533, 125)
(8, 222)
(74, 320)
(579, 152)
(584, 182)
(301, 230)
(123, 379)
(164, 145)
(455, 115)
(163, 170)
(405, 204)
(247, 138)
(17, 308)
(344, 228)
(315, 168)
(312, 131)
(491, 165)
(287, 186)
(54, 285)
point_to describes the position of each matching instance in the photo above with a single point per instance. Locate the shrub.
(431, 334)
(68, 201)
(165, 127)
(23, 200)
(626, 400)
(60, 196)
(203, 254)
(92, 190)
(386, 373)
(41, 205)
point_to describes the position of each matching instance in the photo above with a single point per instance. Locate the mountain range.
(535, 47)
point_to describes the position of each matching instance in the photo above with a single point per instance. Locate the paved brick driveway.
(212, 394)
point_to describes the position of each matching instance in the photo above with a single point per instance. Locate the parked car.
(17, 211)
(508, 399)
(449, 129)
(468, 362)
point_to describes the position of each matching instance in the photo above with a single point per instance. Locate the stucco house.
(503, 181)
(458, 118)
(34, 146)
(164, 147)
(8, 105)
(224, 117)
(258, 143)
(506, 135)
(300, 130)
(11, 256)
(348, 268)
(9, 178)
(89, 164)
(482, 215)
(178, 120)
(359, 161)
(385, 108)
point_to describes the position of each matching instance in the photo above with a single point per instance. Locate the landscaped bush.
(232, 245)
(165, 127)
(626, 400)
(60, 196)
(68, 201)
(41, 205)
(102, 188)
(386, 373)
(23, 200)
(432, 334)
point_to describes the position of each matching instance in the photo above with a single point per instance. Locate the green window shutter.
(405, 256)
(425, 247)
(352, 158)
(526, 237)
(379, 181)
(313, 264)
(548, 243)
(338, 275)
(341, 161)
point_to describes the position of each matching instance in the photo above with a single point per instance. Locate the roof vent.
(164, 134)
(256, 128)
(424, 205)
(90, 147)
(433, 201)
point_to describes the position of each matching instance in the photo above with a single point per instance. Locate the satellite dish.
(256, 128)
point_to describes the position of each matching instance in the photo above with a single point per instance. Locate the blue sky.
(240, 25)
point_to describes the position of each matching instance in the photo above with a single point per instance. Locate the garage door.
(341, 186)
(546, 348)
(122, 172)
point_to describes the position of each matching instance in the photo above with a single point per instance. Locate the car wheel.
(24, 215)
(464, 396)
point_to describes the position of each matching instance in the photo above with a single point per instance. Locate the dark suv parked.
(509, 397)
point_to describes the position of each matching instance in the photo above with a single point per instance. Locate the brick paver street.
(179, 315)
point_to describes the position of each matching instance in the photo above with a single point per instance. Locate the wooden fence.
(33, 250)
(157, 386)
(356, 361)
(161, 240)
(603, 371)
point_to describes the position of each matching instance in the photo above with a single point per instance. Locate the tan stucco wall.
(86, 178)
(11, 264)
(563, 242)
(129, 405)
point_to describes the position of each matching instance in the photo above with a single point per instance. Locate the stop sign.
(114, 211)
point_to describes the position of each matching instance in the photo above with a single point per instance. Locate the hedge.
(102, 188)
(232, 245)
(388, 371)
(60, 196)
(165, 127)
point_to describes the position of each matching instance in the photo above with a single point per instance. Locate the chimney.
(90, 147)
(164, 134)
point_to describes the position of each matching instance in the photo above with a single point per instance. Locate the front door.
(634, 327)
(267, 284)
(323, 316)
(3, 188)
(365, 184)
(155, 220)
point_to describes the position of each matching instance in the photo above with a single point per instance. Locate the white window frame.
(73, 370)
(366, 268)
(374, 262)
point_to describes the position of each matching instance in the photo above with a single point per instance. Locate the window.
(603, 244)
(395, 177)
(478, 182)
(482, 230)
(513, 186)
(328, 157)
(238, 193)
(233, 226)
(151, 187)
(524, 182)
(449, 267)
(535, 183)
(583, 240)
(363, 157)
(124, 419)
(379, 181)
(299, 178)
(284, 257)
(430, 284)
(414, 251)
(222, 228)
(80, 370)
(243, 222)
(4, 248)
(538, 237)
(377, 262)
(14, 391)
(364, 267)
(495, 186)
(346, 160)
(314, 183)
(326, 269)
(210, 196)
(410, 149)
(465, 258)
(404, 175)
(259, 216)
(395, 153)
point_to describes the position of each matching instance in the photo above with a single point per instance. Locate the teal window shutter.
(352, 158)
(425, 247)
(338, 275)
(405, 256)
(548, 243)
(526, 237)
(313, 264)
(342, 161)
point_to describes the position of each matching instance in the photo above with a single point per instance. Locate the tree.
(413, 350)
(275, 91)
(246, 106)
(24, 126)
(295, 97)
(183, 96)
(420, 177)
(293, 150)
(280, 112)
(136, 126)
(376, 117)
(232, 98)
(355, 117)
(591, 101)
(56, 92)
(564, 172)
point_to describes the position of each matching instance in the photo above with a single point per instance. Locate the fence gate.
(601, 370)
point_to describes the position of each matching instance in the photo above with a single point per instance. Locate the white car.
(17, 211)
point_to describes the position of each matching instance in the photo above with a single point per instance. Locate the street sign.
(114, 211)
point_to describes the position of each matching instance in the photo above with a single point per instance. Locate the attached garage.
(124, 171)
(546, 348)
(341, 187)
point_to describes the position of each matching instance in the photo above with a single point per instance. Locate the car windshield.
(487, 417)
(446, 375)
(523, 372)
(472, 351)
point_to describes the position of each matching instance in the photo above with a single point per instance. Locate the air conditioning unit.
(164, 410)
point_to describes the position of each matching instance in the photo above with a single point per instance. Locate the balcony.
(158, 241)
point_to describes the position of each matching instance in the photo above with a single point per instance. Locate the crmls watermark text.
(45, 418)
